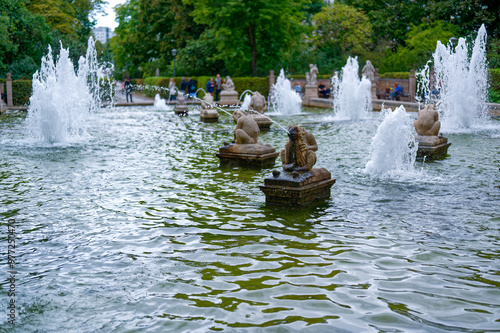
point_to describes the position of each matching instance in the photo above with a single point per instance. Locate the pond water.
(139, 229)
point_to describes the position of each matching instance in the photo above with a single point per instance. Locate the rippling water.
(140, 230)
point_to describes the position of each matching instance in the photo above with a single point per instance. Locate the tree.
(251, 31)
(420, 44)
(342, 31)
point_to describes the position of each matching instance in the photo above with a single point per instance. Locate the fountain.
(393, 148)
(298, 183)
(462, 82)
(208, 113)
(181, 107)
(62, 100)
(228, 96)
(431, 144)
(284, 100)
(160, 103)
(352, 95)
(246, 150)
(259, 106)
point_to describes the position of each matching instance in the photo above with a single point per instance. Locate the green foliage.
(493, 53)
(420, 44)
(21, 92)
(494, 80)
(252, 36)
(260, 84)
(342, 30)
(395, 75)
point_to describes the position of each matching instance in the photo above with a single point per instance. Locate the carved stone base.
(181, 109)
(294, 188)
(257, 154)
(432, 147)
(263, 122)
(228, 97)
(209, 115)
(311, 92)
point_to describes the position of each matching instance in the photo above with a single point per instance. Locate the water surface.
(140, 229)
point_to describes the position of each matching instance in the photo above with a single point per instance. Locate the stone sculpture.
(228, 85)
(428, 121)
(246, 131)
(299, 183)
(228, 96)
(369, 71)
(299, 152)
(208, 114)
(180, 104)
(311, 85)
(246, 150)
(431, 144)
(313, 74)
(258, 102)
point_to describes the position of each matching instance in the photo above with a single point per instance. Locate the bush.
(260, 84)
(303, 76)
(396, 75)
(21, 92)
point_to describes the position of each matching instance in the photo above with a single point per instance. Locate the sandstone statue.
(229, 85)
(207, 102)
(369, 71)
(313, 74)
(246, 131)
(299, 152)
(428, 123)
(258, 102)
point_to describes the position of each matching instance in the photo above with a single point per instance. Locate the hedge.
(494, 80)
(395, 75)
(21, 92)
(260, 84)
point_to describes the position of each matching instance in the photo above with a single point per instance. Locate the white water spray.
(463, 83)
(63, 100)
(352, 95)
(160, 103)
(393, 148)
(284, 100)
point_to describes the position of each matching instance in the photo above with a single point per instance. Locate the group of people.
(189, 86)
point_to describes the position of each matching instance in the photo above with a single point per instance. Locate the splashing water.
(284, 100)
(160, 103)
(63, 100)
(463, 83)
(246, 102)
(393, 148)
(352, 95)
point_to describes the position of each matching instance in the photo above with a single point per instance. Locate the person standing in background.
(218, 87)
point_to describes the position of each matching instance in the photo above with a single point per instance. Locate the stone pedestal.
(181, 109)
(311, 92)
(209, 115)
(8, 83)
(374, 90)
(432, 147)
(295, 188)
(263, 122)
(228, 97)
(257, 154)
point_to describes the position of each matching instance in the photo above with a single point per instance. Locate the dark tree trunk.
(253, 47)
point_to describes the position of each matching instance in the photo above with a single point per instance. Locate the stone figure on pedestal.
(313, 74)
(299, 183)
(208, 113)
(258, 103)
(431, 144)
(311, 84)
(369, 72)
(246, 149)
(228, 96)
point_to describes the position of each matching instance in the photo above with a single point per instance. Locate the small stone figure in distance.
(247, 131)
(229, 85)
(207, 102)
(428, 123)
(299, 152)
(258, 102)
